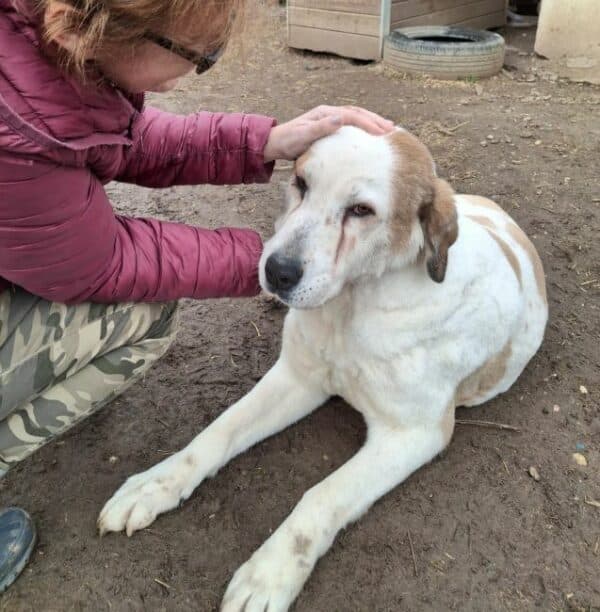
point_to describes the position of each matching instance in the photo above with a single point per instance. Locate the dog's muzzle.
(282, 273)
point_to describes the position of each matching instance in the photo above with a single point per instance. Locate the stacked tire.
(445, 52)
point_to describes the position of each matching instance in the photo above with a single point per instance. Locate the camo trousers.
(59, 364)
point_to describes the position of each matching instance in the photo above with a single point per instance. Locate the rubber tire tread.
(480, 55)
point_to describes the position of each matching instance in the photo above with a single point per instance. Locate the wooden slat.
(351, 23)
(404, 9)
(483, 22)
(356, 46)
(448, 16)
(364, 7)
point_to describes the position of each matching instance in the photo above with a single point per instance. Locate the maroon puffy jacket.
(61, 141)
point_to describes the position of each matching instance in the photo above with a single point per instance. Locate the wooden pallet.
(356, 28)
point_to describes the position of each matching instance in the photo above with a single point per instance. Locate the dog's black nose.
(282, 273)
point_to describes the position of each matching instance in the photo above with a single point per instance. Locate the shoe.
(17, 540)
(515, 20)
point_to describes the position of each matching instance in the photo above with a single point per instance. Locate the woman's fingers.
(384, 124)
(353, 115)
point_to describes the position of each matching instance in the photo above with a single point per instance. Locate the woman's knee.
(165, 322)
(130, 324)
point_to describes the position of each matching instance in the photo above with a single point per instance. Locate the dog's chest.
(334, 346)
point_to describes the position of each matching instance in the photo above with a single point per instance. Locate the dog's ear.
(440, 227)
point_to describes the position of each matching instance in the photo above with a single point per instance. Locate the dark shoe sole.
(10, 578)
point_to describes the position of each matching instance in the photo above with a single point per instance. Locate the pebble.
(534, 473)
(113, 459)
(580, 459)
(583, 390)
(580, 446)
(556, 408)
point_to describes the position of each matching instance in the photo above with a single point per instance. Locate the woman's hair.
(104, 24)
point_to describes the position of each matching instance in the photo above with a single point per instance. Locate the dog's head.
(358, 205)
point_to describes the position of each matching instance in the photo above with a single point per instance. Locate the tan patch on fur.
(519, 236)
(420, 195)
(485, 221)
(447, 423)
(478, 385)
(345, 246)
(301, 162)
(484, 202)
(301, 545)
(412, 185)
(510, 256)
(440, 226)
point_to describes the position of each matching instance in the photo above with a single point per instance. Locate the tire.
(444, 52)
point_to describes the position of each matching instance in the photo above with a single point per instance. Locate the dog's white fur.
(368, 323)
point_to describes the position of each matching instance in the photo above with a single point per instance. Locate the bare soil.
(486, 535)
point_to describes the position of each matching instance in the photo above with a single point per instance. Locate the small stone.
(537, 143)
(580, 446)
(580, 459)
(490, 137)
(534, 473)
(483, 143)
(113, 459)
(583, 390)
(556, 408)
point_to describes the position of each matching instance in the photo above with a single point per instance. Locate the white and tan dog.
(406, 300)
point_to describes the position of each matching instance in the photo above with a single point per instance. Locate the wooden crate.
(356, 28)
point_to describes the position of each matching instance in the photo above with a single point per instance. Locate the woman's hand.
(289, 140)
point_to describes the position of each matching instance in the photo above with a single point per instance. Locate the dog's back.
(482, 221)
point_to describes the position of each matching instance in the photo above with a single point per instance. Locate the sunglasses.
(202, 62)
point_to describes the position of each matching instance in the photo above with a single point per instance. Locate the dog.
(406, 300)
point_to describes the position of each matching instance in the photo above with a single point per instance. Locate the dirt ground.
(486, 535)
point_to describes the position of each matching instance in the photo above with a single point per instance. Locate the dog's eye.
(359, 210)
(301, 185)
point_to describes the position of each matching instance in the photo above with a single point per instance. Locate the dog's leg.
(277, 401)
(272, 578)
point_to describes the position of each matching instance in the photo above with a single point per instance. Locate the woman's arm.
(215, 148)
(60, 239)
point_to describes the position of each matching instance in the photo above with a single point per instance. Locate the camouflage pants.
(59, 364)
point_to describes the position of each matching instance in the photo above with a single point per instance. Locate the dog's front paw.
(270, 580)
(144, 496)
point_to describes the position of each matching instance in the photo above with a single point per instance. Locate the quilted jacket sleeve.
(204, 147)
(60, 239)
